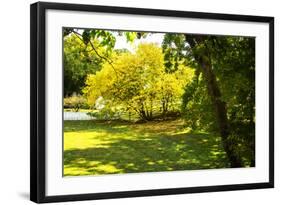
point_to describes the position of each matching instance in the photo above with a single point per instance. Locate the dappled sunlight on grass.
(172, 126)
(92, 148)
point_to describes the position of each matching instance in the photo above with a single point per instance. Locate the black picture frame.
(38, 101)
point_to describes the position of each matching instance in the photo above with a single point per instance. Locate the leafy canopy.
(138, 82)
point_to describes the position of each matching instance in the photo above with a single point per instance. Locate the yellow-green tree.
(137, 82)
(79, 60)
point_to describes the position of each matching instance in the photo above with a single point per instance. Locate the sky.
(121, 41)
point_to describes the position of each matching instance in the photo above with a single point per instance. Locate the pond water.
(76, 116)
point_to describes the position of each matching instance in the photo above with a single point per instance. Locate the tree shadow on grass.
(160, 152)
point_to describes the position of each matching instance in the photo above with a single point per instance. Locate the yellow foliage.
(138, 79)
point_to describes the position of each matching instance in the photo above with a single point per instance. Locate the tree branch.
(96, 52)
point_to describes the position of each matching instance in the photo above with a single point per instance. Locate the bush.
(75, 102)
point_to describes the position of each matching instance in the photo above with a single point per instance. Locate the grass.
(94, 148)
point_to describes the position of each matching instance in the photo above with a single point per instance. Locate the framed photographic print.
(129, 102)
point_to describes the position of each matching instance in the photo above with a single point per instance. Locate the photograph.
(146, 101)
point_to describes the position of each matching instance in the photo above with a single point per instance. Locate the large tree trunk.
(220, 111)
(214, 92)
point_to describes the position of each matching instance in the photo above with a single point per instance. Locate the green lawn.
(93, 148)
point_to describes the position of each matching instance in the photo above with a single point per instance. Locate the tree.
(84, 52)
(213, 57)
(79, 60)
(170, 87)
(141, 84)
(204, 61)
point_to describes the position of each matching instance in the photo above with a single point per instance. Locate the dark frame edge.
(156, 192)
(37, 102)
(33, 104)
(271, 101)
(153, 12)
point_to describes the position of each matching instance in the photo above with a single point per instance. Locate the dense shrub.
(75, 102)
